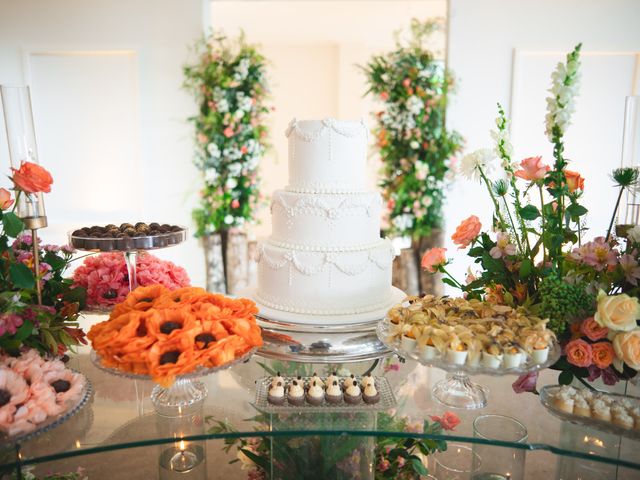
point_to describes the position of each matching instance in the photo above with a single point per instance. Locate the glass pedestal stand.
(459, 391)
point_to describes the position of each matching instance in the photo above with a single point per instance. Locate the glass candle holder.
(21, 136)
(629, 210)
(457, 462)
(498, 463)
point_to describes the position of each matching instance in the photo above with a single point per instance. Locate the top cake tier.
(327, 156)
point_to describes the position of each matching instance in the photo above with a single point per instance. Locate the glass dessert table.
(120, 435)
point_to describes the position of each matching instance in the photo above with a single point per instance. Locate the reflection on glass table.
(121, 417)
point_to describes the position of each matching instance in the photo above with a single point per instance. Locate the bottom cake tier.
(348, 281)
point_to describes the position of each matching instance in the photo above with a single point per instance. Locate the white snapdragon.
(414, 104)
(213, 150)
(231, 183)
(222, 105)
(244, 103)
(242, 70)
(210, 176)
(473, 162)
(238, 114)
(565, 81)
(502, 139)
(404, 221)
(235, 169)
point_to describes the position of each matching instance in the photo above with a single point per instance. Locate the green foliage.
(228, 82)
(563, 302)
(414, 143)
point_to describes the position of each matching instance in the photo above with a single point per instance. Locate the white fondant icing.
(322, 220)
(327, 154)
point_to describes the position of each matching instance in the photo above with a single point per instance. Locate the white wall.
(501, 50)
(314, 48)
(110, 115)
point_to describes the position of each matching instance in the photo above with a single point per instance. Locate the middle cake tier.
(326, 282)
(328, 220)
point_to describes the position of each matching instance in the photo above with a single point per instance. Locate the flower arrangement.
(229, 84)
(106, 280)
(394, 457)
(538, 257)
(415, 146)
(50, 327)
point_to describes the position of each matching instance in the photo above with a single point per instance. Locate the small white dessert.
(600, 410)
(353, 394)
(407, 342)
(622, 418)
(296, 393)
(473, 359)
(428, 352)
(512, 357)
(490, 360)
(331, 378)
(581, 407)
(457, 357)
(366, 380)
(276, 379)
(315, 395)
(635, 414)
(334, 392)
(540, 355)
(276, 394)
(564, 400)
(370, 394)
(317, 379)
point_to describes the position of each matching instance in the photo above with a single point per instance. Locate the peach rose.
(532, 169)
(617, 312)
(433, 258)
(448, 421)
(627, 348)
(467, 231)
(574, 180)
(602, 354)
(579, 353)
(32, 178)
(228, 132)
(5, 199)
(590, 329)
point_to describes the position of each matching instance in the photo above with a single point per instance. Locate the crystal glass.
(629, 211)
(183, 458)
(458, 462)
(494, 463)
(21, 135)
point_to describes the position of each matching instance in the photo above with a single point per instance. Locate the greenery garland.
(228, 82)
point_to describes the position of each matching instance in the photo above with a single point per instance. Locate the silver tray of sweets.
(127, 237)
(387, 398)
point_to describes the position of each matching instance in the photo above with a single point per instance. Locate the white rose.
(617, 312)
(228, 219)
(414, 144)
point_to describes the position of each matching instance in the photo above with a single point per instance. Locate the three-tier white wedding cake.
(325, 256)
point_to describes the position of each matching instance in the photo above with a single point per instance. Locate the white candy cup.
(512, 360)
(408, 344)
(540, 355)
(473, 360)
(457, 357)
(429, 352)
(491, 361)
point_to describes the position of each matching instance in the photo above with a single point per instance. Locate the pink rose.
(592, 330)
(467, 231)
(433, 258)
(526, 383)
(406, 82)
(579, 353)
(532, 169)
(384, 96)
(5, 199)
(228, 132)
(235, 203)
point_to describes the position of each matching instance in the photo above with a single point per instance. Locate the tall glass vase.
(629, 211)
(21, 136)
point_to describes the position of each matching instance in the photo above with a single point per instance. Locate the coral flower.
(467, 231)
(433, 258)
(574, 181)
(32, 178)
(228, 132)
(579, 353)
(602, 354)
(590, 329)
(532, 169)
(448, 421)
(5, 199)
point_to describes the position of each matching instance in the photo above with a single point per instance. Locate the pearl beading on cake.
(359, 247)
(320, 188)
(328, 124)
(279, 304)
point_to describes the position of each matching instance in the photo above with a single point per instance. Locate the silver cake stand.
(321, 338)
